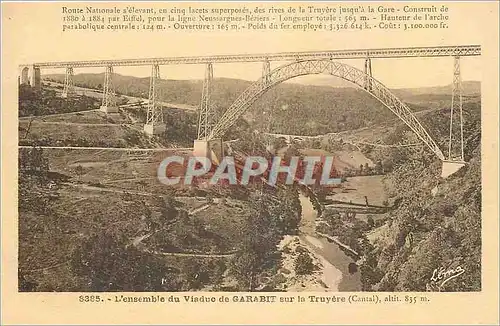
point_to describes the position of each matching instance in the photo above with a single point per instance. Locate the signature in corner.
(443, 276)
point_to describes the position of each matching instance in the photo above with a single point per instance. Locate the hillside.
(469, 88)
(111, 200)
(434, 223)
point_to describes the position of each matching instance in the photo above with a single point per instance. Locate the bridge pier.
(456, 137)
(455, 159)
(206, 118)
(155, 129)
(368, 74)
(36, 79)
(266, 70)
(450, 167)
(212, 149)
(154, 119)
(25, 79)
(108, 97)
(30, 75)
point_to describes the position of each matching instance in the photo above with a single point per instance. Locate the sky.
(41, 39)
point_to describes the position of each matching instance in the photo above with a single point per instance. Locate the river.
(335, 261)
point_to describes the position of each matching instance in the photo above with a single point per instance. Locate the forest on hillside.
(434, 223)
(322, 109)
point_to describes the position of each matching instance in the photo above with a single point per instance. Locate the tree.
(24, 284)
(109, 265)
(79, 171)
(370, 221)
(286, 211)
(198, 273)
(167, 209)
(379, 169)
(194, 274)
(304, 264)
(279, 143)
(387, 165)
(39, 162)
(259, 238)
(367, 169)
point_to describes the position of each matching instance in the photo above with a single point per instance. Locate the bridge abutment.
(450, 167)
(109, 109)
(36, 79)
(30, 75)
(368, 85)
(212, 149)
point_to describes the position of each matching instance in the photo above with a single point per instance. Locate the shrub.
(304, 264)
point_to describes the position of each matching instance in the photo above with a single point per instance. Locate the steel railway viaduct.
(210, 132)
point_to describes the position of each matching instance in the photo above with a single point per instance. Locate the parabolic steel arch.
(323, 66)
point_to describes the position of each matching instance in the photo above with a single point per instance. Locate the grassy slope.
(48, 239)
(446, 227)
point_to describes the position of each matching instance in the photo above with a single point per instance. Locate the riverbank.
(332, 261)
(324, 278)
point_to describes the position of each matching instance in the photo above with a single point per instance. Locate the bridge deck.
(435, 51)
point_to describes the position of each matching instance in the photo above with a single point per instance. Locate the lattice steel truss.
(456, 139)
(154, 114)
(306, 67)
(433, 51)
(68, 83)
(108, 97)
(206, 118)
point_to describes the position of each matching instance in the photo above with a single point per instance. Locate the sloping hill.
(469, 88)
(322, 109)
(435, 223)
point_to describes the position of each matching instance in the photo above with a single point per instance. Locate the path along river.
(335, 261)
